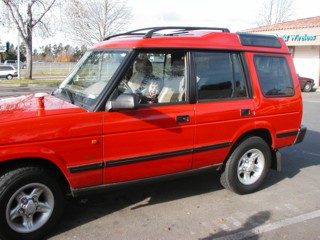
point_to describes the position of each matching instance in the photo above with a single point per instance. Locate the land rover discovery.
(145, 105)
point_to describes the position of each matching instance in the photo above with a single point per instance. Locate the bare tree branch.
(26, 15)
(275, 11)
(89, 22)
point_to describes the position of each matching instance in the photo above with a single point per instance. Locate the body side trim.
(287, 134)
(85, 167)
(125, 161)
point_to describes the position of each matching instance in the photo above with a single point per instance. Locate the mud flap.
(276, 161)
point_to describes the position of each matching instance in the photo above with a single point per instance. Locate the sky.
(236, 15)
(233, 14)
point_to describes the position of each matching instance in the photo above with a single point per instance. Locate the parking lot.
(197, 207)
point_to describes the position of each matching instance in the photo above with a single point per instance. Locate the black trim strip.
(125, 161)
(86, 167)
(212, 147)
(151, 157)
(287, 134)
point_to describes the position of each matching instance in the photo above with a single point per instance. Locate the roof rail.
(149, 32)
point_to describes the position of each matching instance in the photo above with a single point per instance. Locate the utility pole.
(18, 55)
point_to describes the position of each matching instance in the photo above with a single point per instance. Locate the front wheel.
(31, 202)
(9, 77)
(247, 166)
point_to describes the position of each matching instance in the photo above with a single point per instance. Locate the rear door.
(224, 108)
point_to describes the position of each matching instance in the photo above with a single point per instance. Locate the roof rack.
(149, 32)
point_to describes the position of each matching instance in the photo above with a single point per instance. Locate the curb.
(27, 85)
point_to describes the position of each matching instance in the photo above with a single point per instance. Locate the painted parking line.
(271, 227)
(311, 101)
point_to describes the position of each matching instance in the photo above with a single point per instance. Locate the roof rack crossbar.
(140, 31)
(156, 29)
(148, 32)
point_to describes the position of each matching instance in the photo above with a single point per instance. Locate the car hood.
(25, 107)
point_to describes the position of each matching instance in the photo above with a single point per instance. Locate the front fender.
(8, 153)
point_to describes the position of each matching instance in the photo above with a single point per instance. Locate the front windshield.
(90, 76)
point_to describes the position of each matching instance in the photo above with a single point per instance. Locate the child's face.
(153, 89)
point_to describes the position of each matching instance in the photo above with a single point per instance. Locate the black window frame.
(242, 68)
(274, 92)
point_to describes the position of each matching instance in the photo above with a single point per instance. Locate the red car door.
(224, 110)
(149, 141)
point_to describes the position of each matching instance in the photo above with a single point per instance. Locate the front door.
(156, 138)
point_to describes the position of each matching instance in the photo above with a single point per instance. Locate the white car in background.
(15, 63)
(8, 72)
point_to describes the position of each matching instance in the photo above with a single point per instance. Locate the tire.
(31, 203)
(247, 166)
(307, 87)
(9, 77)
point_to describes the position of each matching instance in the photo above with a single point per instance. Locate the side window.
(274, 75)
(156, 78)
(219, 76)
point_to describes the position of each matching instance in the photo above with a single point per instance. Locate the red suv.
(143, 105)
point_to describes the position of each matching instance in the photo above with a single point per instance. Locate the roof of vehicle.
(7, 66)
(194, 38)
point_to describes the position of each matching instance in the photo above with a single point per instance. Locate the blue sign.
(298, 37)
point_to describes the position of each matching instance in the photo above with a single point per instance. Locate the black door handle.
(183, 119)
(245, 112)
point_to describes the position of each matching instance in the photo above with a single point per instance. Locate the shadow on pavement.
(245, 231)
(85, 209)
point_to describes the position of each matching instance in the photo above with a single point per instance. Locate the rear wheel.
(247, 166)
(307, 87)
(31, 202)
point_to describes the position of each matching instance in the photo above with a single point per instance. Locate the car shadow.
(85, 209)
(88, 208)
(295, 158)
(246, 231)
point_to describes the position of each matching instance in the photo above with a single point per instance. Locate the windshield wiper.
(69, 94)
(64, 91)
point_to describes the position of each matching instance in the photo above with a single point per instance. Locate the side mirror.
(124, 101)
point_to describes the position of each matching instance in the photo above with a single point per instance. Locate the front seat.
(173, 89)
(143, 72)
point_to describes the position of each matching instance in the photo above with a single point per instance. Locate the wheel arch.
(36, 162)
(262, 133)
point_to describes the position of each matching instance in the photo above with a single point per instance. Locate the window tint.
(6, 68)
(219, 76)
(274, 76)
(156, 77)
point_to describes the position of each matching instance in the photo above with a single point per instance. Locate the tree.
(26, 15)
(275, 11)
(88, 22)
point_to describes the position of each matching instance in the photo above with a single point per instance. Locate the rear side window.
(5, 68)
(219, 76)
(274, 76)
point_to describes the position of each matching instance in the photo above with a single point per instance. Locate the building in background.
(303, 39)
